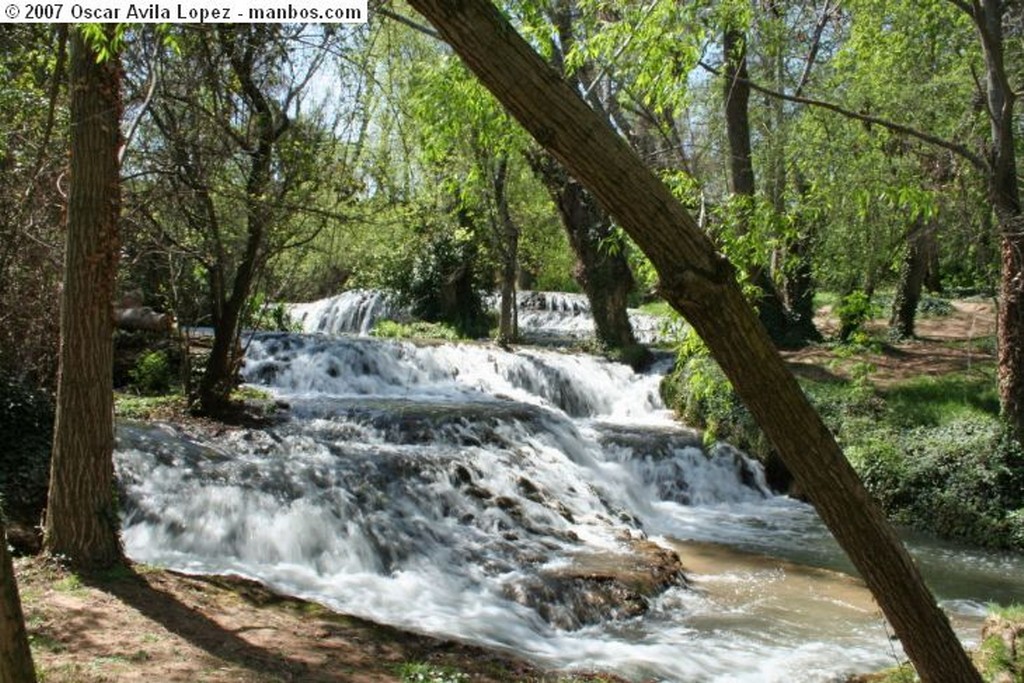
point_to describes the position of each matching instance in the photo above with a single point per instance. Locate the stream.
(451, 489)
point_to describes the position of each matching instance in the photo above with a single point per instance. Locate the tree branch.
(395, 16)
(960, 150)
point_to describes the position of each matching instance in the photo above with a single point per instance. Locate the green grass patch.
(134, 407)
(389, 329)
(932, 401)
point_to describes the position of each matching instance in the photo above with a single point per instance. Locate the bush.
(444, 283)
(152, 373)
(854, 311)
(390, 329)
(933, 452)
(26, 432)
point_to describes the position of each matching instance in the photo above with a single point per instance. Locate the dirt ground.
(143, 624)
(146, 625)
(959, 342)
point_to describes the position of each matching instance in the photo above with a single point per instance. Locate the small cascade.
(353, 312)
(579, 385)
(543, 316)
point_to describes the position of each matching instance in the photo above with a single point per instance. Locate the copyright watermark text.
(187, 11)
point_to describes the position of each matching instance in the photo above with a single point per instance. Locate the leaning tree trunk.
(81, 518)
(701, 284)
(15, 656)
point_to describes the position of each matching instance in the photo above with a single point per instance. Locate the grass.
(931, 401)
(134, 407)
(389, 329)
(418, 672)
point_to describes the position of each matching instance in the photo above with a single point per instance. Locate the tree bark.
(1004, 194)
(81, 519)
(741, 175)
(701, 285)
(506, 233)
(15, 655)
(602, 273)
(911, 281)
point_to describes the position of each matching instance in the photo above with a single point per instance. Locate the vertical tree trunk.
(507, 235)
(268, 125)
(81, 520)
(601, 270)
(701, 285)
(15, 656)
(741, 175)
(911, 281)
(1004, 194)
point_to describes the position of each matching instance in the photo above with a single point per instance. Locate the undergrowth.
(931, 449)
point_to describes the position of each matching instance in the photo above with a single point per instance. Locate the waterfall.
(543, 316)
(514, 500)
(353, 312)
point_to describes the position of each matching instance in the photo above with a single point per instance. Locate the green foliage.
(1000, 655)
(390, 329)
(134, 407)
(152, 373)
(443, 283)
(26, 432)
(931, 449)
(854, 310)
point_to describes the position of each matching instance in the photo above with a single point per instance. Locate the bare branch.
(812, 54)
(416, 26)
(960, 150)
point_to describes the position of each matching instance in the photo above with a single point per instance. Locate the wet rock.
(601, 586)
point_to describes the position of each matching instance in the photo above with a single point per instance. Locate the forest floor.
(145, 624)
(960, 342)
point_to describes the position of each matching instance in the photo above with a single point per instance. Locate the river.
(443, 488)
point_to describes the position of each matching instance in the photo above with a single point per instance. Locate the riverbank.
(145, 624)
(918, 419)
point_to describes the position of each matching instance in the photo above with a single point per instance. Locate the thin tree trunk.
(219, 375)
(701, 285)
(741, 175)
(506, 233)
(81, 519)
(15, 655)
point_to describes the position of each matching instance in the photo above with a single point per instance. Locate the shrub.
(26, 432)
(853, 311)
(152, 373)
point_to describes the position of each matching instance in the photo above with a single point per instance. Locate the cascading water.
(465, 491)
(353, 312)
(543, 316)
